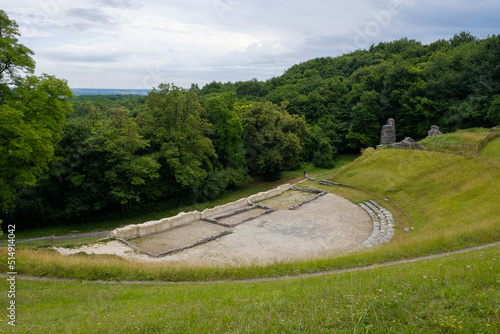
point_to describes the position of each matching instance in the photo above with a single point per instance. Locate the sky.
(138, 44)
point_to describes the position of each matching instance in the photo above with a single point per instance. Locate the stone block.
(434, 131)
(408, 143)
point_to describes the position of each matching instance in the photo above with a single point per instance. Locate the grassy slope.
(455, 294)
(492, 150)
(460, 141)
(451, 199)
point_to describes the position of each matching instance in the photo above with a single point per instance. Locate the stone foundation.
(183, 218)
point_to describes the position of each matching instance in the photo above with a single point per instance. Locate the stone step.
(383, 225)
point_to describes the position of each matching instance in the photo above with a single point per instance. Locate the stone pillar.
(388, 134)
(434, 131)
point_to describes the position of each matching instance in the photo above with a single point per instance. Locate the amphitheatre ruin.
(285, 224)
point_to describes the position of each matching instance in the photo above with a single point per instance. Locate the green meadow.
(449, 200)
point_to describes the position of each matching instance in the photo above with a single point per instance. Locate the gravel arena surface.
(325, 227)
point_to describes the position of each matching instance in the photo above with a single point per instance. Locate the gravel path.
(276, 278)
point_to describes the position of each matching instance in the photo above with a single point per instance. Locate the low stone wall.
(268, 194)
(224, 209)
(183, 218)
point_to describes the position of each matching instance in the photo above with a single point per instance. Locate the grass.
(454, 294)
(452, 201)
(464, 141)
(492, 149)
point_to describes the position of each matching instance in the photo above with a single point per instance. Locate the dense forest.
(64, 158)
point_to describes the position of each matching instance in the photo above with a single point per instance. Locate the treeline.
(178, 146)
(452, 83)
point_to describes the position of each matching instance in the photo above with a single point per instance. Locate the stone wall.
(268, 194)
(408, 143)
(388, 133)
(183, 218)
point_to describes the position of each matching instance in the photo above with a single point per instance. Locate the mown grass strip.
(454, 294)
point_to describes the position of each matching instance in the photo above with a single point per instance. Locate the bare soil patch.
(240, 217)
(177, 237)
(287, 199)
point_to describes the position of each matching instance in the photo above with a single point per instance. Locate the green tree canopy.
(227, 136)
(173, 124)
(117, 140)
(32, 114)
(273, 138)
(364, 130)
(15, 58)
(31, 126)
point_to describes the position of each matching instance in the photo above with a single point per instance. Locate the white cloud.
(133, 43)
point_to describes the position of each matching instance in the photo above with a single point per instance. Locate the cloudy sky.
(141, 43)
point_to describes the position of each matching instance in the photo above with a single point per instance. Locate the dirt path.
(277, 278)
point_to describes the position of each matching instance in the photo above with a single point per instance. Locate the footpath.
(277, 278)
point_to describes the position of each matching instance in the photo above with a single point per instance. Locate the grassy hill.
(451, 200)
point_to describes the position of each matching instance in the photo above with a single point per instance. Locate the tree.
(172, 122)
(462, 38)
(31, 126)
(364, 129)
(272, 138)
(494, 110)
(325, 154)
(227, 136)
(32, 115)
(407, 97)
(15, 58)
(124, 172)
(250, 88)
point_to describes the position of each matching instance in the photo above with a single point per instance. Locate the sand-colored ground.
(327, 226)
(177, 237)
(240, 217)
(288, 199)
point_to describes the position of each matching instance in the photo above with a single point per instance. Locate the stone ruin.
(409, 143)
(388, 137)
(388, 133)
(434, 131)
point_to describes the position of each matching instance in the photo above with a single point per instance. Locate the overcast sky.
(141, 43)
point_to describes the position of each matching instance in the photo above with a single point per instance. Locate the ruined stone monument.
(408, 143)
(434, 131)
(388, 133)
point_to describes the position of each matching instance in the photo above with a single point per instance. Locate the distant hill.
(101, 91)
